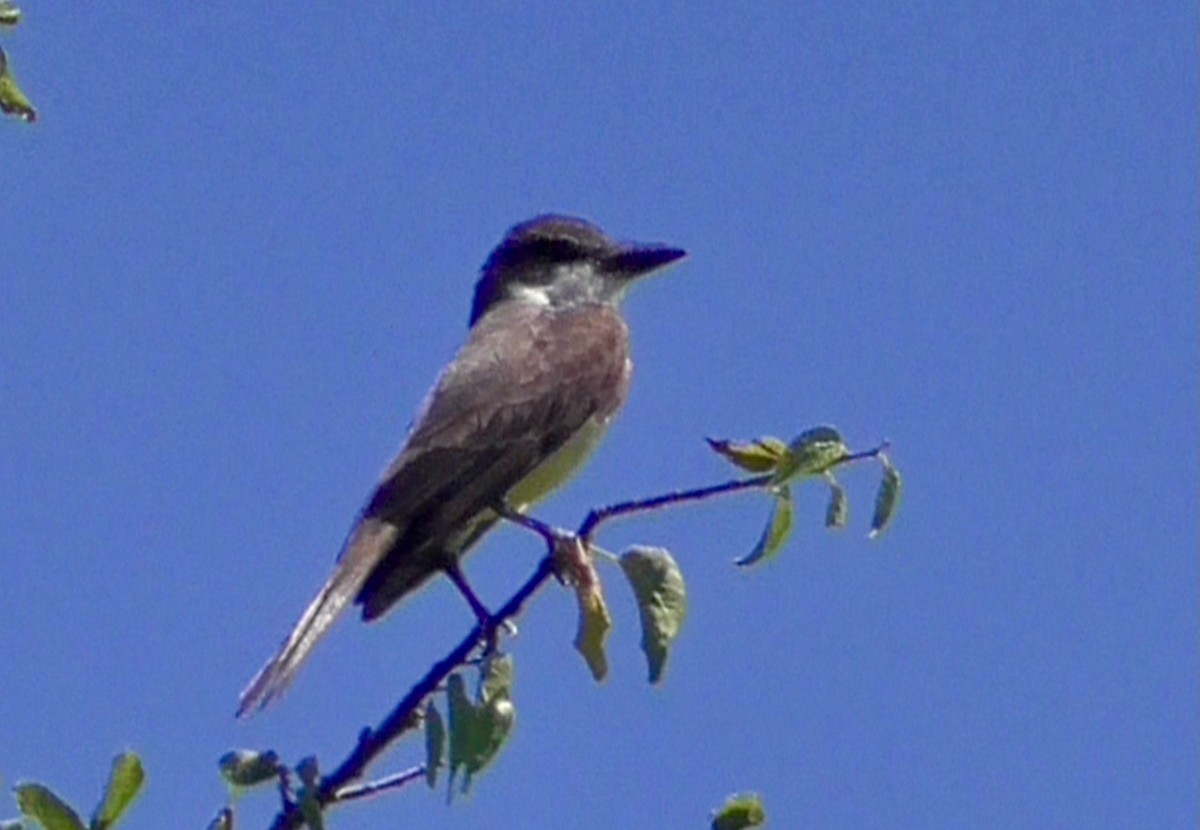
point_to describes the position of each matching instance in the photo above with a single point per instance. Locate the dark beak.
(637, 260)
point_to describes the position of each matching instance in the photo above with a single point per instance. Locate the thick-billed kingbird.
(525, 402)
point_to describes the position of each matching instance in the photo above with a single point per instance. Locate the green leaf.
(435, 743)
(10, 15)
(777, 531)
(47, 809)
(575, 566)
(838, 509)
(759, 456)
(476, 732)
(811, 453)
(462, 724)
(887, 499)
(594, 624)
(498, 675)
(494, 723)
(247, 768)
(740, 812)
(12, 99)
(125, 781)
(661, 597)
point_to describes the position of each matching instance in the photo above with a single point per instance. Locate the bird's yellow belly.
(559, 467)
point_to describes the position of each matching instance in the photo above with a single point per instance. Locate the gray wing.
(521, 387)
(525, 385)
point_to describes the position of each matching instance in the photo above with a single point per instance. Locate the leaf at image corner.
(661, 595)
(740, 812)
(10, 15)
(125, 782)
(777, 531)
(47, 809)
(887, 498)
(12, 99)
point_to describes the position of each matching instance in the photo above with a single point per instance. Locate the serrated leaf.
(594, 624)
(661, 595)
(10, 15)
(838, 509)
(435, 743)
(47, 809)
(759, 456)
(125, 781)
(887, 498)
(740, 812)
(223, 820)
(247, 768)
(777, 531)
(811, 453)
(498, 674)
(12, 99)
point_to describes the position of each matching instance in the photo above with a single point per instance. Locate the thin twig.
(627, 508)
(371, 788)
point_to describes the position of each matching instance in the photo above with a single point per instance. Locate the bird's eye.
(554, 250)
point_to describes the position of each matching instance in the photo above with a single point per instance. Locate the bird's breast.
(561, 465)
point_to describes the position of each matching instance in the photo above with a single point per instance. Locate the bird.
(524, 403)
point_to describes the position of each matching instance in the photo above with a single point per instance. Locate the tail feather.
(364, 548)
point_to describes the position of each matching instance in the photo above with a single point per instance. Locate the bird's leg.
(565, 546)
(460, 582)
(552, 535)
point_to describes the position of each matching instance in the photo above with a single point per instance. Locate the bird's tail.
(338, 592)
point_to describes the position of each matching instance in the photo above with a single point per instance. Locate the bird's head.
(563, 261)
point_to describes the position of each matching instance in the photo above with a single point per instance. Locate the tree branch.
(338, 786)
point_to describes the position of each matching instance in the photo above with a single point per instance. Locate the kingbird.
(524, 403)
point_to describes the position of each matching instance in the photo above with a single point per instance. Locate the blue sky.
(241, 241)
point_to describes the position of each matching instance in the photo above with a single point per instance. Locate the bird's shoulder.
(525, 379)
(527, 363)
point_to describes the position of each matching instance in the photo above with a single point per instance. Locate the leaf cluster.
(50, 811)
(813, 454)
(12, 100)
